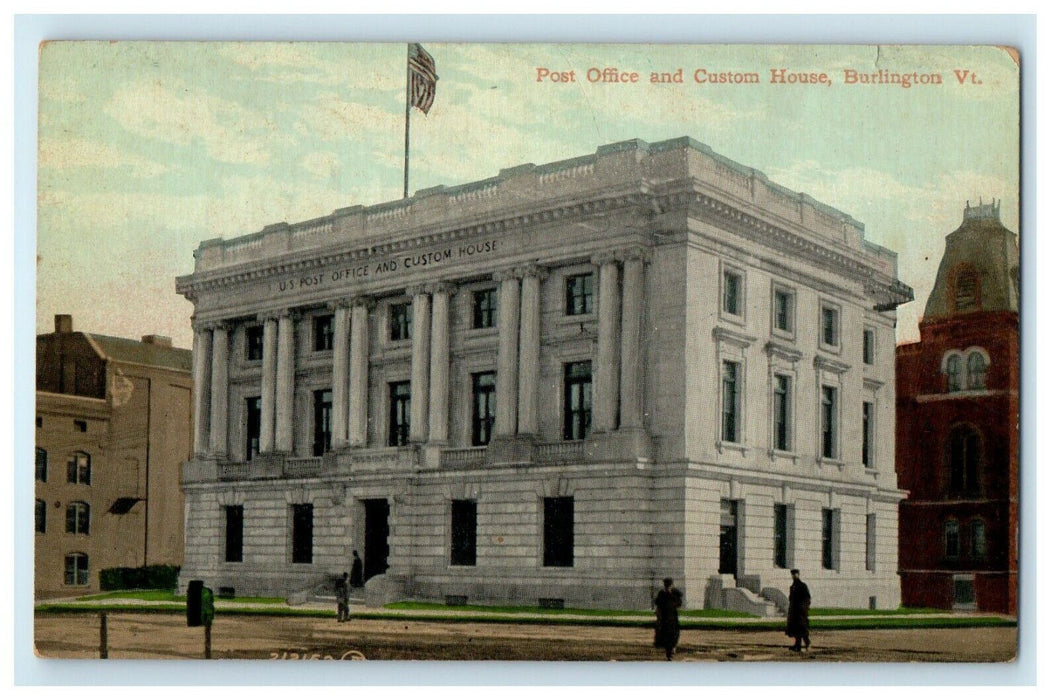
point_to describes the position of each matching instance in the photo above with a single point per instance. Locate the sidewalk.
(689, 619)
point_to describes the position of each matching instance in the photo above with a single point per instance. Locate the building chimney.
(63, 323)
(162, 341)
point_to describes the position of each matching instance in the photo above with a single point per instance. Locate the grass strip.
(169, 596)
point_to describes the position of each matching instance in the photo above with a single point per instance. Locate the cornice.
(828, 364)
(784, 352)
(726, 335)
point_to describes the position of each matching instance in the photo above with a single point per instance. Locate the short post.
(209, 640)
(102, 635)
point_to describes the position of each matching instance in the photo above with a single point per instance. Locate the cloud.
(315, 63)
(176, 114)
(332, 118)
(66, 153)
(321, 164)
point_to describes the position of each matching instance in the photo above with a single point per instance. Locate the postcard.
(551, 352)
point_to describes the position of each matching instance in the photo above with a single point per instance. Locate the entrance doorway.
(728, 537)
(376, 537)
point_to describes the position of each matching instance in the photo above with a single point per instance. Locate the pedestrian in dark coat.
(357, 575)
(341, 592)
(667, 628)
(797, 615)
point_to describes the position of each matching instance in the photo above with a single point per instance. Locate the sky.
(148, 148)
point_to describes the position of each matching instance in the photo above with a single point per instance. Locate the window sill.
(830, 461)
(832, 349)
(784, 335)
(738, 320)
(574, 319)
(473, 333)
(732, 447)
(783, 454)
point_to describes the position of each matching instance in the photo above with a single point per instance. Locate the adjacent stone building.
(113, 429)
(553, 386)
(957, 427)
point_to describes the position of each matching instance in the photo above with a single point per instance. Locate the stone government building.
(553, 386)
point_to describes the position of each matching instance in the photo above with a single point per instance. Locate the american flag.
(423, 78)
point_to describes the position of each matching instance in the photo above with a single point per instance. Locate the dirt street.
(153, 636)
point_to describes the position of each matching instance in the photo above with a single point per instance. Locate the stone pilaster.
(420, 362)
(507, 356)
(358, 371)
(202, 351)
(529, 348)
(632, 339)
(285, 366)
(605, 380)
(439, 357)
(218, 407)
(340, 376)
(268, 383)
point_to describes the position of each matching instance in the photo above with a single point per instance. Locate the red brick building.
(957, 427)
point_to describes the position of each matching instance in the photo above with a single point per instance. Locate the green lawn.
(523, 609)
(167, 596)
(825, 612)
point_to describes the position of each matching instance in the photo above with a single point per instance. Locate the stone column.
(340, 376)
(268, 384)
(507, 356)
(604, 382)
(203, 351)
(218, 390)
(358, 372)
(632, 340)
(420, 362)
(439, 351)
(529, 349)
(285, 383)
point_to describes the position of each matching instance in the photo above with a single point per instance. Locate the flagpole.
(407, 116)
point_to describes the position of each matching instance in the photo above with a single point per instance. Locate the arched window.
(951, 539)
(964, 456)
(76, 569)
(79, 468)
(976, 368)
(978, 543)
(78, 518)
(953, 371)
(42, 464)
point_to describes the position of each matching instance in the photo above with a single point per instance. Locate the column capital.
(215, 325)
(441, 288)
(635, 252)
(368, 302)
(605, 257)
(266, 316)
(289, 312)
(533, 270)
(417, 289)
(506, 275)
(343, 303)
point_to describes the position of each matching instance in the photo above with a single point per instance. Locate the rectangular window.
(780, 535)
(321, 413)
(253, 427)
(731, 398)
(399, 321)
(41, 516)
(79, 469)
(78, 518)
(868, 346)
(782, 310)
(829, 326)
(254, 343)
(76, 569)
(485, 308)
(484, 411)
(781, 407)
(323, 333)
(579, 295)
(871, 542)
(42, 464)
(558, 531)
(233, 533)
(301, 535)
(868, 434)
(80, 426)
(576, 419)
(978, 543)
(732, 293)
(399, 413)
(829, 542)
(951, 539)
(464, 533)
(828, 416)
